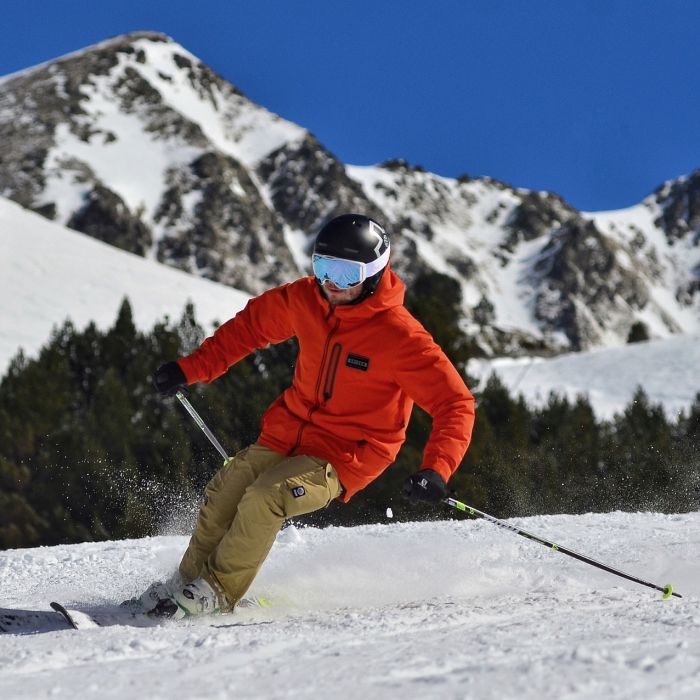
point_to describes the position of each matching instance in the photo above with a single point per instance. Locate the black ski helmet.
(354, 237)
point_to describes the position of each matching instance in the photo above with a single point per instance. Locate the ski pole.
(667, 590)
(198, 420)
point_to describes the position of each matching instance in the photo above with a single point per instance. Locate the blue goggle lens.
(343, 273)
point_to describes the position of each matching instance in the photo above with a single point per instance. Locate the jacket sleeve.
(426, 374)
(264, 320)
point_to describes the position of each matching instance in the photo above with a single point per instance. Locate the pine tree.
(640, 476)
(500, 447)
(436, 301)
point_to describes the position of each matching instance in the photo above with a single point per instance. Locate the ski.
(76, 619)
(59, 618)
(62, 618)
(17, 621)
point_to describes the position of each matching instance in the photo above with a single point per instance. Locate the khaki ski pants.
(244, 507)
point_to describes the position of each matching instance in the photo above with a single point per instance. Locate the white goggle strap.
(371, 268)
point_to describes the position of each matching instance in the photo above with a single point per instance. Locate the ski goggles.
(346, 274)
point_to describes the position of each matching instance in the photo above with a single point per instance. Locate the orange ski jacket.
(360, 369)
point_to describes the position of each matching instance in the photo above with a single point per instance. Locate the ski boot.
(195, 598)
(154, 594)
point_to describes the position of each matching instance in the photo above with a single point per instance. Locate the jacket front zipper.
(332, 369)
(317, 404)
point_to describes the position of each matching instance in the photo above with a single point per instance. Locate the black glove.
(425, 485)
(169, 378)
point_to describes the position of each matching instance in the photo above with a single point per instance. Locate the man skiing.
(363, 362)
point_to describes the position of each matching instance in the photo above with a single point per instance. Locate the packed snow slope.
(666, 369)
(452, 609)
(49, 273)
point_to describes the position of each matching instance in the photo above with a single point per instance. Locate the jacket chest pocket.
(353, 379)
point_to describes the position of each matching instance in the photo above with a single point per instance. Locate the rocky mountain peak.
(137, 142)
(679, 204)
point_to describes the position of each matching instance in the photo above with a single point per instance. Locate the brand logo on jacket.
(298, 491)
(357, 362)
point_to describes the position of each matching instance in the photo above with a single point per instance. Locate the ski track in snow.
(454, 609)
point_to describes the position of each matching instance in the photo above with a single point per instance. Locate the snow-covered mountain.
(136, 142)
(455, 609)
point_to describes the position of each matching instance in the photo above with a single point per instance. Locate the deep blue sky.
(598, 100)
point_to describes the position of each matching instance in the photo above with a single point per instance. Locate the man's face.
(338, 296)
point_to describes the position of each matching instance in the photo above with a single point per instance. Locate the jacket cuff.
(186, 370)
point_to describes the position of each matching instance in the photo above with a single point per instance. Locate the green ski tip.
(668, 591)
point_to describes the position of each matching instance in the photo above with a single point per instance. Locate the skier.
(363, 361)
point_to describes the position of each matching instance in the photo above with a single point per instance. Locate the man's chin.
(338, 299)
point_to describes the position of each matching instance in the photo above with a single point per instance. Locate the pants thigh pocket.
(306, 493)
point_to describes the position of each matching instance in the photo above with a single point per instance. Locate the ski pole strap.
(198, 420)
(667, 590)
